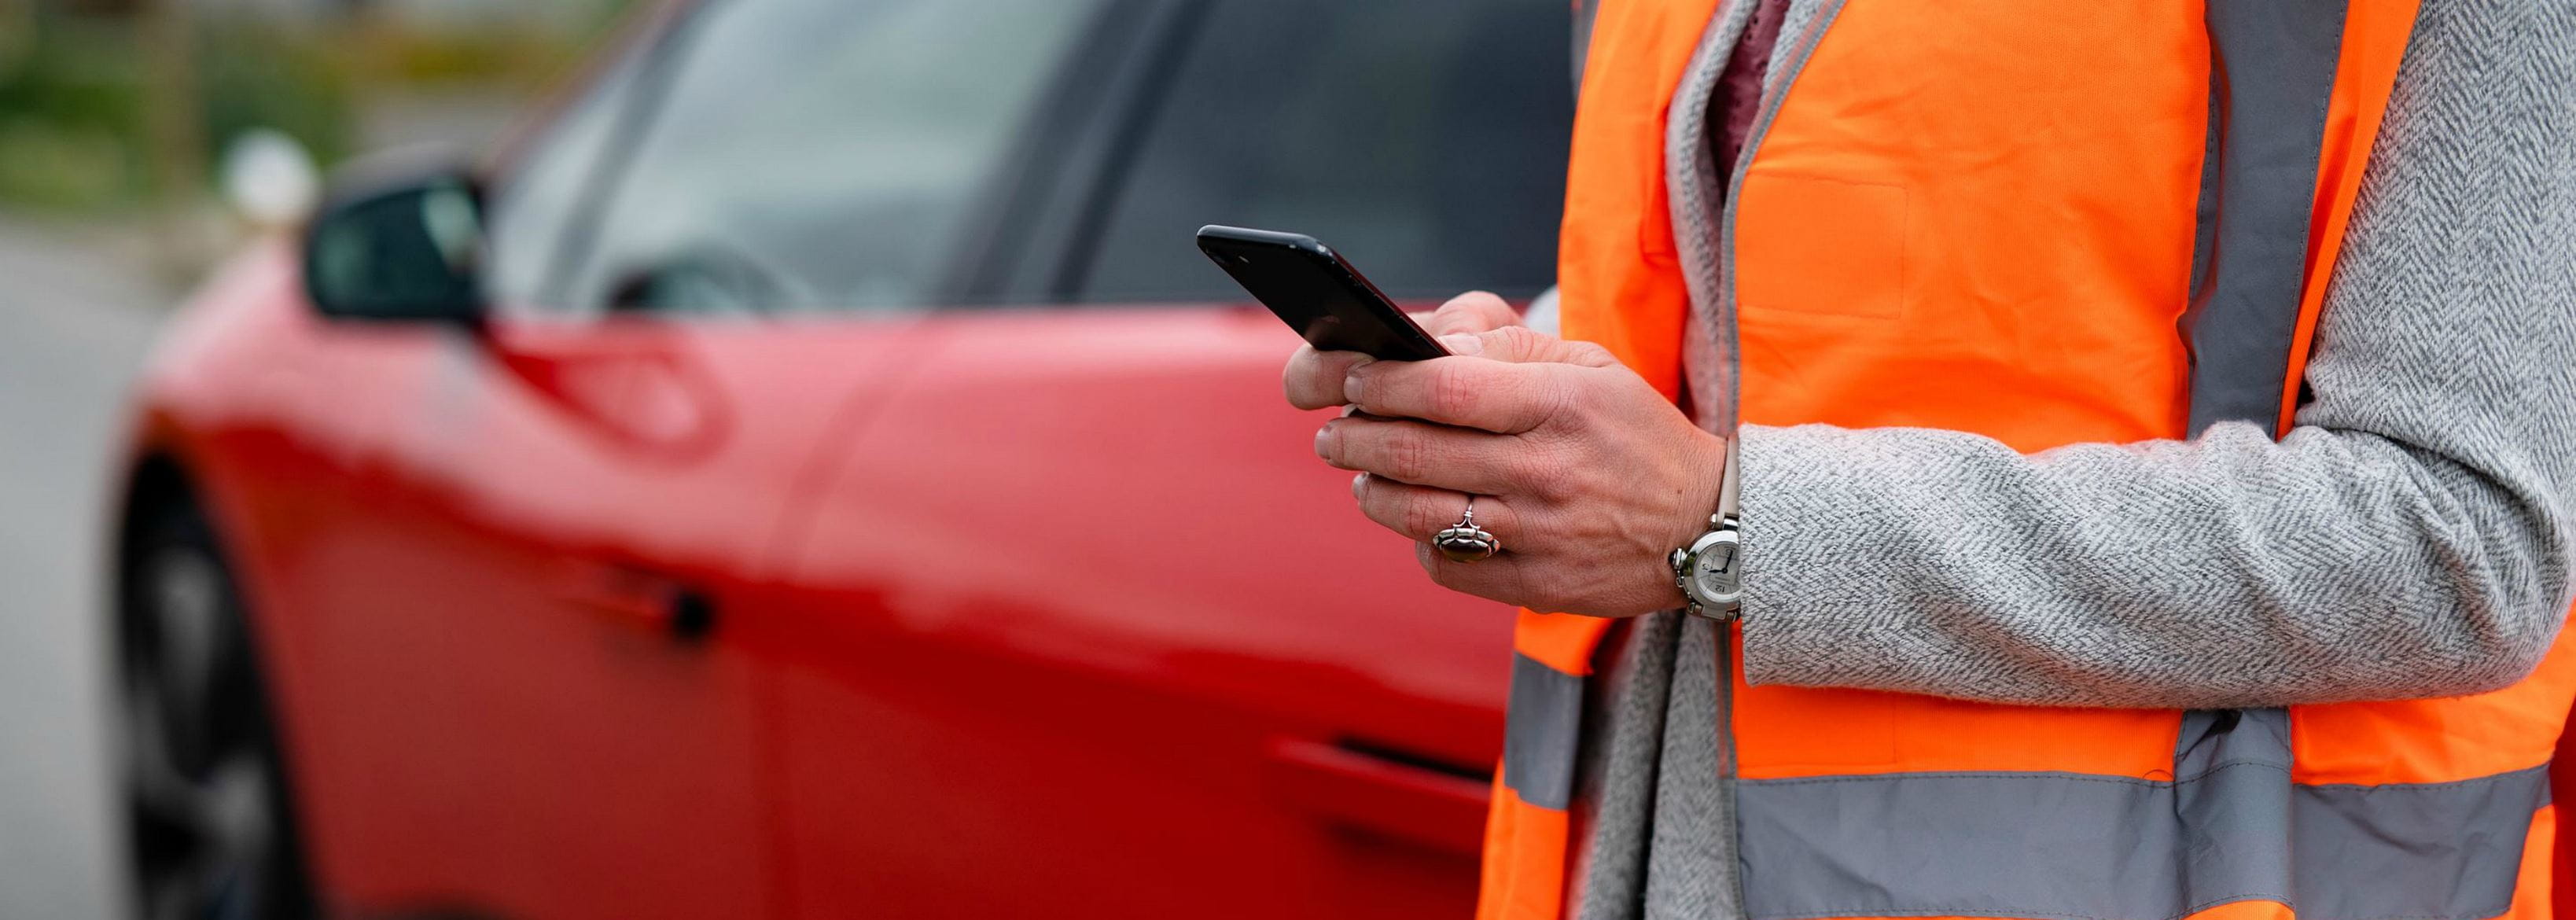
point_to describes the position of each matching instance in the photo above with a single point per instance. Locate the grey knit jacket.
(2410, 538)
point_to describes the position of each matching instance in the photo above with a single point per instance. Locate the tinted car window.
(532, 208)
(1423, 139)
(821, 154)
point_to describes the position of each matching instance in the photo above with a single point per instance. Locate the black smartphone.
(1317, 293)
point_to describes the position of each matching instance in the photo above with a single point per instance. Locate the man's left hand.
(1587, 475)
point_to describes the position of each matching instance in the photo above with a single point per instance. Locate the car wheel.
(208, 820)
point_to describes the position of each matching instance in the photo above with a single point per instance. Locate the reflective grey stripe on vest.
(1539, 736)
(2061, 845)
(2272, 71)
(2080, 846)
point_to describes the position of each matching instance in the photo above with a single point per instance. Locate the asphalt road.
(75, 320)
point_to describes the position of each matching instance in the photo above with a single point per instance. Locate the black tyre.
(210, 828)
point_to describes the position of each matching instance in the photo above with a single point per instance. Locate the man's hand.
(1587, 475)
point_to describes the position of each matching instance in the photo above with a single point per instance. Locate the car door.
(1083, 628)
(525, 703)
(585, 505)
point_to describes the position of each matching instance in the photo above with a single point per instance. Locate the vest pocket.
(1811, 245)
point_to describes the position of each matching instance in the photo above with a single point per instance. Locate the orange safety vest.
(2048, 222)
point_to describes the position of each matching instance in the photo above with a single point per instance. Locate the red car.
(813, 474)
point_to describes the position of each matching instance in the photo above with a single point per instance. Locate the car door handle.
(637, 598)
(1392, 794)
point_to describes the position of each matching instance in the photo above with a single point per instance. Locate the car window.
(1423, 139)
(536, 203)
(820, 154)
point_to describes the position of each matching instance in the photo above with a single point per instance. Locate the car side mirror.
(408, 247)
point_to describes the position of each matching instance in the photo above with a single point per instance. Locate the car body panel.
(1083, 589)
(457, 544)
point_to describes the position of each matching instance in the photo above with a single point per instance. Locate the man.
(2157, 467)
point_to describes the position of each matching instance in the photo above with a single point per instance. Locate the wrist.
(1707, 569)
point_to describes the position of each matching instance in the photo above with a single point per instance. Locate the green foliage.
(252, 75)
(71, 119)
(75, 103)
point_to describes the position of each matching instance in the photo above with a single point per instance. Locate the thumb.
(1523, 345)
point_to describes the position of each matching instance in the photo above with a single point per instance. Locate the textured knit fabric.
(1739, 92)
(2408, 539)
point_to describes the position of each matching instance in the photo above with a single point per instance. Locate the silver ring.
(1464, 541)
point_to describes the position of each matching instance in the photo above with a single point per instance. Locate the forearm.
(2231, 571)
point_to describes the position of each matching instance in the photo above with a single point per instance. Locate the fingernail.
(1351, 387)
(1462, 344)
(1324, 442)
(1359, 483)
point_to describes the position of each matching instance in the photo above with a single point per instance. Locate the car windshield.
(1425, 140)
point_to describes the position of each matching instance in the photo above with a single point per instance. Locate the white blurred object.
(270, 178)
(1541, 314)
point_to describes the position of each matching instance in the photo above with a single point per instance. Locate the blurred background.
(719, 487)
(140, 142)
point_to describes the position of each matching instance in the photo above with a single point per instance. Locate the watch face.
(1713, 573)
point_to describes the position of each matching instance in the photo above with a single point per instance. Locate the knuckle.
(1553, 401)
(1539, 593)
(1421, 518)
(1408, 455)
(1540, 467)
(1580, 394)
(1451, 390)
(1520, 339)
(1453, 317)
(1450, 575)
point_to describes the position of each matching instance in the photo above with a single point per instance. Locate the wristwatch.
(1710, 569)
(1708, 572)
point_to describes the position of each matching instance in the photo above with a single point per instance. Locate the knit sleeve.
(2409, 538)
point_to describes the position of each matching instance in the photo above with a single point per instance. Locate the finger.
(1469, 392)
(1503, 577)
(1439, 456)
(1313, 378)
(1422, 512)
(1468, 314)
(1524, 345)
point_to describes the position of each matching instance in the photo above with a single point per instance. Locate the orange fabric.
(1979, 282)
(1880, 732)
(2247, 910)
(1559, 640)
(2562, 787)
(1524, 868)
(2535, 888)
(2438, 741)
(1616, 271)
(1941, 168)
(1907, 255)
(2374, 42)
